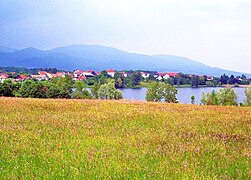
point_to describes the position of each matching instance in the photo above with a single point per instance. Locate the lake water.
(184, 94)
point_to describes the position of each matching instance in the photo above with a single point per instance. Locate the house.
(21, 77)
(111, 72)
(77, 73)
(172, 74)
(166, 76)
(124, 74)
(81, 78)
(210, 78)
(3, 77)
(145, 75)
(42, 73)
(159, 76)
(87, 74)
(39, 77)
(49, 75)
(92, 72)
(60, 74)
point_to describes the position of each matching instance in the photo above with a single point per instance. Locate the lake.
(184, 94)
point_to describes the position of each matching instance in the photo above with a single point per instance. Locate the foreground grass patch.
(122, 139)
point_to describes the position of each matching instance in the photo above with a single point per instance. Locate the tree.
(195, 81)
(136, 78)
(154, 93)
(95, 89)
(80, 92)
(210, 84)
(225, 97)
(108, 91)
(118, 83)
(209, 98)
(223, 79)
(247, 100)
(192, 99)
(9, 88)
(159, 91)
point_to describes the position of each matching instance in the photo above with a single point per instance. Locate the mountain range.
(98, 58)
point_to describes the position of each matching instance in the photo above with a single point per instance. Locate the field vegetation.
(101, 139)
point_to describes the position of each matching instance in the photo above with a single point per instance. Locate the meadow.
(94, 139)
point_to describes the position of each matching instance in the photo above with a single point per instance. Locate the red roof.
(4, 75)
(78, 72)
(22, 76)
(59, 74)
(171, 74)
(90, 71)
(99, 72)
(160, 74)
(111, 71)
(42, 72)
(81, 78)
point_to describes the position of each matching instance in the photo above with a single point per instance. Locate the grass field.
(95, 139)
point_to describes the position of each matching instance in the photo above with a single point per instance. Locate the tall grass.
(94, 139)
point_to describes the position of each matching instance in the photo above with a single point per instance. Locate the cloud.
(205, 30)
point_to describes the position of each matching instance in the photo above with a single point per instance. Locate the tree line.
(108, 89)
(59, 88)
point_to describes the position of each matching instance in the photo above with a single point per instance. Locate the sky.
(214, 32)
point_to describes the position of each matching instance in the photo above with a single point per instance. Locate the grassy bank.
(122, 139)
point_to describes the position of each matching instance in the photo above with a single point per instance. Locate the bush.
(108, 91)
(210, 84)
(161, 91)
(247, 100)
(225, 97)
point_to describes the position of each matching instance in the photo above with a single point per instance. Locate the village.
(86, 74)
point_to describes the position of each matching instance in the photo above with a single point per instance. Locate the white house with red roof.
(42, 72)
(77, 73)
(171, 74)
(87, 74)
(166, 76)
(145, 75)
(21, 77)
(3, 77)
(81, 78)
(39, 77)
(210, 78)
(111, 72)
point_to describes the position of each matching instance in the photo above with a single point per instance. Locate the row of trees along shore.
(67, 88)
(160, 91)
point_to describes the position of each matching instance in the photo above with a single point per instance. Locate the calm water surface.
(184, 94)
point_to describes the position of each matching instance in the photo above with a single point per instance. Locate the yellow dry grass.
(94, 139)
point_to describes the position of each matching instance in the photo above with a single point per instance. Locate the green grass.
(92, 139)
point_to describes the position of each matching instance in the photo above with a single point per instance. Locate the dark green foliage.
(136, 78)
(192, 99)
(9, 88)
(195, 81)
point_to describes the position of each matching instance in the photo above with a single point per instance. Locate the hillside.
(93, 139)
(7, 50)
(99, 57)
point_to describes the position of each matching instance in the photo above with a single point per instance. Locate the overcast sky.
(214, 32)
